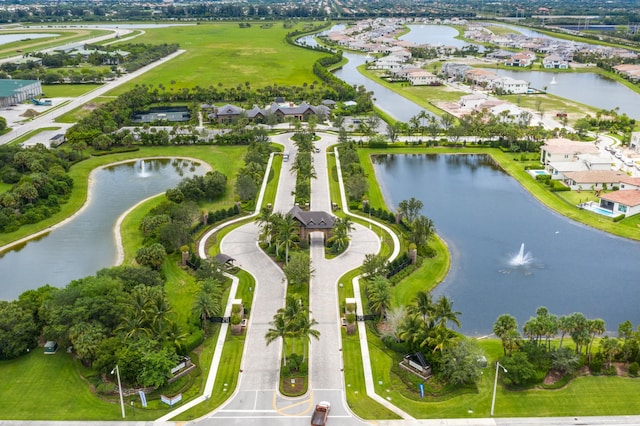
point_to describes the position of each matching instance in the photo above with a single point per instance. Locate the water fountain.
(553, 80)
(143, 172)
(522, 258)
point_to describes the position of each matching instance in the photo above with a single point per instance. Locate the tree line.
(529, 355)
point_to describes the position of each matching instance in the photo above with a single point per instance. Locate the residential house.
(554, 61)
(422, 78)
(561, 149)
(624, 201)
(521, 59)
(593, 179)
(454, 70)
(511, 85)
(628, 182)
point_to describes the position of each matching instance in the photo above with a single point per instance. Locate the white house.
(624, 201)
(421, 78)
(561, 149)
(511, 85)
(554, 61)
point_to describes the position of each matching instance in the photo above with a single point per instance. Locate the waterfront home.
(522, 59)
(510, 85)
(593, 179)
(422, 78)
(554, 61)
(560, 149)
(579, 163)
(624, 201)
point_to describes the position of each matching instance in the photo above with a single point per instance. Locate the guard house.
(312, 221)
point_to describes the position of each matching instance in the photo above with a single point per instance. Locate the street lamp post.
(495, 385)
(117, 371)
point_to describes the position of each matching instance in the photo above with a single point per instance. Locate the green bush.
(633, 369)
(618, 218)
(596, 365)
(194, 340)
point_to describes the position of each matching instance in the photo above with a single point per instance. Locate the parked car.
(618, 155)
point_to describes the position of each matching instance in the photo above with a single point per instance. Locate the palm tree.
(288, 234)
(305, 330)
(596, 327)
(412, 330)
(502, 328)
(341, 229)
(379, 294)
(443, 312)
(422, 305)
(204, 306)
(279, 330)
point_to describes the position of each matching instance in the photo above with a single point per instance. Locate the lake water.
(587, 88)
(436, 35)
(485, 216)
(10, 38)
(87, 243)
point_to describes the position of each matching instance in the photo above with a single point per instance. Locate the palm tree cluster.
(339, 239)
(426, 324)
(279, 233)
(537, 354)
(292, 323)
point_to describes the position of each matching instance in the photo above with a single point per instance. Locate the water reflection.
(87, 243)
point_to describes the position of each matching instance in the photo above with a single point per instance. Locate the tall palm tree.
(288, 234)
(379, 294)
(204, 306)
(422, 305)
(279, 330)
(305, 330)
(444, 312)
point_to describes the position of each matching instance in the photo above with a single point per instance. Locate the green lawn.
(77, 114)
(223, 53)
(68, 90)
(49, 387)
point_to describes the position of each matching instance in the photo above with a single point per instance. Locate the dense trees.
(39, 185)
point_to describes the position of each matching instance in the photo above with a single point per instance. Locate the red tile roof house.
(624, 201)
(593, 179)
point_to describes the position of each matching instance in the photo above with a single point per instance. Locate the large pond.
(436, 35)
(602, 93)
(87, 243)
(485, 216)
(10, 38)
